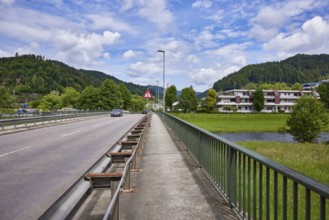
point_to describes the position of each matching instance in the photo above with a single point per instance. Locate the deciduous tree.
(323, 91)
(258, 100)
(211, 100)
(126, 96)
(188, 99)
(171, 96)
(307, 119)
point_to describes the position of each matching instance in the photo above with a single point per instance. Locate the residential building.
(274, 100)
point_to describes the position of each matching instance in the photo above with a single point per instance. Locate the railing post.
(231, 180)
(127, 179)
(114, 186)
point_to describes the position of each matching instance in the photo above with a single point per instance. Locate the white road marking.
(74, 132)
(15, 151)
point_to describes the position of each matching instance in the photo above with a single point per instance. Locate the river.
(281, 137)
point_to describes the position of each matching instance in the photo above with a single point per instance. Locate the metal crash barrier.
(118, 181)
(255, 186)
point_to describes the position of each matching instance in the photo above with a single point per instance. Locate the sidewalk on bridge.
(170, 185)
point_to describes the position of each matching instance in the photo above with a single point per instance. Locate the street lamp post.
(164, 89)
(158, 94)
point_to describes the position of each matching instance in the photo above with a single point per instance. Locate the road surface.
(37, 166)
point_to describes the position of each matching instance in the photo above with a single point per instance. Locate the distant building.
(274, 100)
(313, 85)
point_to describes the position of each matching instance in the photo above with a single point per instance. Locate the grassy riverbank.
(306, 158)
(226, 123)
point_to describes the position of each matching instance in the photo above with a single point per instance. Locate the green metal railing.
(255, 186)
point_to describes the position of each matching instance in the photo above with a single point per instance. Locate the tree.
(6, 100)
(89, 98)
(307, 119)
(110, 96)
(188, 99)
(126, 96)
(49, 102)
(70, 97)
(323, 91)
(211, 100)
(171, 96)
(137, 103)
(297, 86)
(258, 100)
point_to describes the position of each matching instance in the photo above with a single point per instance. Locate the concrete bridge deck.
(170, 185)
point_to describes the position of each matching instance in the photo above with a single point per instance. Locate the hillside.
(31, 74)
(299, 68)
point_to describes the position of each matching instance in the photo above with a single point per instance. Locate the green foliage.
(188, 100)
(171, 96)
(258, 100)
(137, 103)
(211, 100)
(274, 86)
(49, 102)
(89, 99)
(323, 91)
(6, 100)
(125, 95)
(307, 119)
(110, 96)
(70, 98)
(297, 86)
(300, 68)
(35, 74)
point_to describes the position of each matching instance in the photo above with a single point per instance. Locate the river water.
(281, 137)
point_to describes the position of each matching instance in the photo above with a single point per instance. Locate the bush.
(307, 119)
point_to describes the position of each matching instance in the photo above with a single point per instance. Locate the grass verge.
(227, 123)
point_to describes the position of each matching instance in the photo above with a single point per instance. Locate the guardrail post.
(114, 186)
(231, 180)
(127, 179)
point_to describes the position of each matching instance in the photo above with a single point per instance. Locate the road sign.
(147, 94)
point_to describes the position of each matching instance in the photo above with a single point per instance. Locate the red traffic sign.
(147, 94)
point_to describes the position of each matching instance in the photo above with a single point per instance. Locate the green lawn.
(227, 123)
(306, 158)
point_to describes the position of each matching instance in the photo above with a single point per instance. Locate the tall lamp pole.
(158, 94)
(164, 89)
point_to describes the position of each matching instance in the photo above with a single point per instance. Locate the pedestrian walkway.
(170, 185)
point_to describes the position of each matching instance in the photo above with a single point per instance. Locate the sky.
(203, 40)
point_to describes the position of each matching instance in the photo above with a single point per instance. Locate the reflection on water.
(324, 137)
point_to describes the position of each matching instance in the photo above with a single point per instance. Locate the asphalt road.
(37, 166)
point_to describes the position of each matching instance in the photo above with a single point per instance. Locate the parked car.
(145, 111)
(117, 112)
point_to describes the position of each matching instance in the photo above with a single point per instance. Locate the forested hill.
(299, 68)
(29, 74)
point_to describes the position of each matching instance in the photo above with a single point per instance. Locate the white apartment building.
(274, 100)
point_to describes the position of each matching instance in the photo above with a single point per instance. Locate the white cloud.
(127, 4)
(311, 38)
(202, 4)
(141, 69)
(193, 59)
(204, 76)
(5, 54)
(106, 55)
(83, 48)
(129, 54)
(156, 12)
(106, 21)
(267, 23)
(7, 2)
